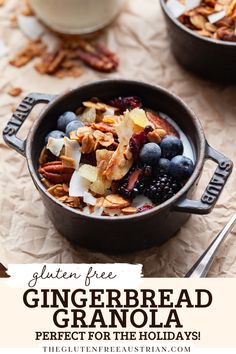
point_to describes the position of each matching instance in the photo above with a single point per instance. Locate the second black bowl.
(211, 59)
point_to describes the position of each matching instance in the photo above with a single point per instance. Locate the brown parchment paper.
(139, 37)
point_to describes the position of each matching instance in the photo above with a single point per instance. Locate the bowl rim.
(170, 202)
(192, 33)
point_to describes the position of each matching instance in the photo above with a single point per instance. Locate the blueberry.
(181, 167)
(56, 134)
(164, 165)
(65, 119)
(74, 125)
(171, 147)
(150, 154)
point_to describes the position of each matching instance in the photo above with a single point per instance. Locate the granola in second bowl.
(210, 18)
(114, 158)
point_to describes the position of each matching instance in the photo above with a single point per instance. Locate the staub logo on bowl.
(218, 180)
(19, 116)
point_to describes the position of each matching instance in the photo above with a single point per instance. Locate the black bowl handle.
(214, 188)
(18, 118)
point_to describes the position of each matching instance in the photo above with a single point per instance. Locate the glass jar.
(76, 16)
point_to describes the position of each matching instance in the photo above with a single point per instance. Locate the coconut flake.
(78, 185)
(86, 210)
(175, 7)
(72, 150)
(3, 49)
(192, 4)
(216, 16)
(110, 111)
(140, 201)
(89, 198)
(98, 211)
(112, 212)
(31, 27)
(125, 129)
(89, 115)
(55, 145)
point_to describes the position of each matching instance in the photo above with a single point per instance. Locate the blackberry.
(132, 184)
(162, 188)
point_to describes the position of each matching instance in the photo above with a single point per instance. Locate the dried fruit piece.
(89, 172)
(145, 207)
(124, 103)
(139, 118)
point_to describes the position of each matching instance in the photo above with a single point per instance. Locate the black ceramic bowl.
(125, 233)
(211, 59)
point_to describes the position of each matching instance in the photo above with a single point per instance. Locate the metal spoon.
(202, 266)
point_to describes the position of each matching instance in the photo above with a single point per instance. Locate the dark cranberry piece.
(136, 143)
(124, 103)
(145, 207)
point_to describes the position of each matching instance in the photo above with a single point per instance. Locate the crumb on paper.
(14, 91)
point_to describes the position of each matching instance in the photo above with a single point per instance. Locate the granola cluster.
(95, 160)
(209, 18)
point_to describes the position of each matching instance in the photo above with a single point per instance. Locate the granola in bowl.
(214, 19)
(114, 158)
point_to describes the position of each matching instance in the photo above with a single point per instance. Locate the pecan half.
(95, 55)
(50, 62)
(55, 172)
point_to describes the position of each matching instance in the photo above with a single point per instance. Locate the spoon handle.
(202, 266)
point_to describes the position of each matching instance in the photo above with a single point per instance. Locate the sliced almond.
(129, 210)
(198, 21)
(56, 190)
(100, 106)
(210, 27)
(115, 201)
